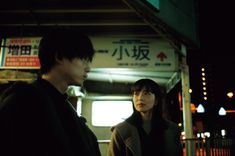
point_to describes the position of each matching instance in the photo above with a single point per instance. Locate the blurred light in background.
(200, 109)
(222, 111)
(230, 94)
(110, 113)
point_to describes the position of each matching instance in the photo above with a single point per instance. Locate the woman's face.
(143, 100)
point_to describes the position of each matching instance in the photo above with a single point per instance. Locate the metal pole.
(186, 102)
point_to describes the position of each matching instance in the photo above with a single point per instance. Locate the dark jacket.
(126, 141)
(36, 120)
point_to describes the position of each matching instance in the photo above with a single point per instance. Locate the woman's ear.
(156, 101)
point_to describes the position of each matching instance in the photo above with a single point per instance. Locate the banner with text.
(111, 52)
(153, 54)
(20, 53)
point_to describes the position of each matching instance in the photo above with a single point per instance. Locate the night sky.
(217, 47)
(217, 43)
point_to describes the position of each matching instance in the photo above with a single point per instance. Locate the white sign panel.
(111, 52)
(146, 53)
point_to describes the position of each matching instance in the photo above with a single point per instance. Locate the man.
(37, 119)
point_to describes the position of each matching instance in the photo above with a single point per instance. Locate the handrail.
(211, 146)
(204, 146)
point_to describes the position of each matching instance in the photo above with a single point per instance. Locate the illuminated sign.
(19, 53)
(138, 53)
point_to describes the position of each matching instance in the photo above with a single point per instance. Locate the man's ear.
(58, 60)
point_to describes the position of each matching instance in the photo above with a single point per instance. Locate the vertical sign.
(20, 53)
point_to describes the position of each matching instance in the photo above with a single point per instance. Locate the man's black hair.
(63, 43)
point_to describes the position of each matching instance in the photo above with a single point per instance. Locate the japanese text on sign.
(133, 53)
(20, 53)
(135, 49)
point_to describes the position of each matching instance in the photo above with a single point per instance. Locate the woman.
(145, 132)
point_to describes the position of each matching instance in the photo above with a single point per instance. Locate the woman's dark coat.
(125, 141)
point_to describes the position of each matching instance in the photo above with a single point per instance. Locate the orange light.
(230, 111)
(180, 100)
(193, 108)
(230, 94)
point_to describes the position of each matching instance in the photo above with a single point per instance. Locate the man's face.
(74, 72)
